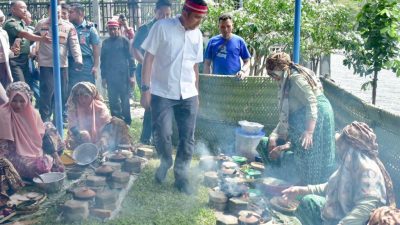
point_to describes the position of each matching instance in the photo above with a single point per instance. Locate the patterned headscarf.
(10, 181)
(385, 216)
(281, 61)
(91, 118)
(362, 138)
(77, 89)
(19, 86)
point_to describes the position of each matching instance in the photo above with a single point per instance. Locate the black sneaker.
(160, 175)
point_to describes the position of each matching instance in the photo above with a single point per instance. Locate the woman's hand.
(306, 140)
(271, 143)
(276, 152)
(85, 136)
(15, 50)
(292, 192)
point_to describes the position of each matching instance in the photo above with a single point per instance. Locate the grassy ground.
(149, 203)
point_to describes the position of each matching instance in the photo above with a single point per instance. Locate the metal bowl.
(52, 182)
(85, 154)
(74, 173)
(274, 186)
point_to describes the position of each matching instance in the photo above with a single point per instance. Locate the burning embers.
(232, 189)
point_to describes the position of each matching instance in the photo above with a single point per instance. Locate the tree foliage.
(374, 45)
(267, 23)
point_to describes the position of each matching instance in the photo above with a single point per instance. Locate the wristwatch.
(145, 88)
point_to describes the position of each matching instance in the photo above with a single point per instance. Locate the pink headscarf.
(91, 118)
(26, 128)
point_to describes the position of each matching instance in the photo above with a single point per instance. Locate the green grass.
(149, 203)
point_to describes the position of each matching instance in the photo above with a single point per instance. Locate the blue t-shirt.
(225, 55)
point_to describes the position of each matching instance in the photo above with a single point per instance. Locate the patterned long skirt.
(316, 164)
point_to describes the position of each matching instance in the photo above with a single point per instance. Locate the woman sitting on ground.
(22, 132)
(360, 184)
(89, 120)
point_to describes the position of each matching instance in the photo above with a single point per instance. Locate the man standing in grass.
(117, 71)
(170, 76)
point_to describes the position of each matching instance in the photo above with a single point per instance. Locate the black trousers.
(46, 103)
(20, 68)
(185, 112)
(118, 97)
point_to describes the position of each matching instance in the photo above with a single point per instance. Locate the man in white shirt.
(5, 52)
(170, 75)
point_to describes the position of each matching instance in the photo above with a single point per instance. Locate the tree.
(374, 45)
(323, 27)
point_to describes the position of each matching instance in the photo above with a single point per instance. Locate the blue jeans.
(185, 112)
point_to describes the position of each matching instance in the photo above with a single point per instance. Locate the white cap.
(1, 13)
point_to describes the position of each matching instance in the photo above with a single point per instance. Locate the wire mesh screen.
(224, 101)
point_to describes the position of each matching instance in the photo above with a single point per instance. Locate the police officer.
(89, 41)
(68, 40)
(20, 38)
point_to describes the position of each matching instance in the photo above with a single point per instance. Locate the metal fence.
(136, 12)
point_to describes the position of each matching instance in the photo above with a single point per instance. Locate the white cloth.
(3, 96)
(175, 51)
(6, 52)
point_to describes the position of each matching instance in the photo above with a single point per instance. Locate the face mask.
(276, 73)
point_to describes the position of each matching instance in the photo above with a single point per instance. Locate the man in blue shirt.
(89, 41)
(224, 51)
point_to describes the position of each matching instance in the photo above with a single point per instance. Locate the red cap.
(112, 23)
(196, 8)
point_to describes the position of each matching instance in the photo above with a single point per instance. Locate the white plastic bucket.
(246, 144)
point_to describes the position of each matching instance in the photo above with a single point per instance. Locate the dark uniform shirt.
(88, 36)
(14, 26)
(117, 64)
(141, 35)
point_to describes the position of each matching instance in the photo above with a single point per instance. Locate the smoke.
(201, 149)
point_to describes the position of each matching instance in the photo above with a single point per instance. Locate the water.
(388, 91)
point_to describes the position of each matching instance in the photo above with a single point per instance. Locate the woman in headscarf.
(360, 184)
(87, 114)
(385, 215)
(21, 135)
(305, 118)
(10, 181)
(89, 120)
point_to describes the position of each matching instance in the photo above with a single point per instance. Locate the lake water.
(388, 91)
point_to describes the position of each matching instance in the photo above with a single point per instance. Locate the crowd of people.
(29, 142)
(344, 170)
